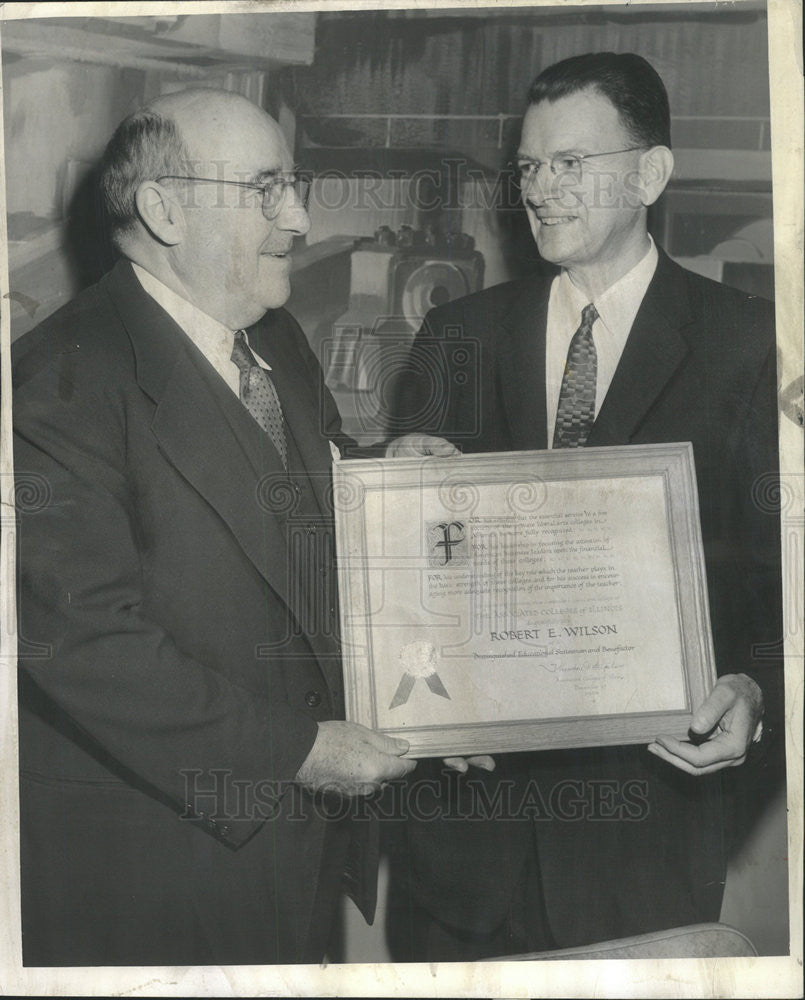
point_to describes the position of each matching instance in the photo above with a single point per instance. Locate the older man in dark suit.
(183, 767)
(621, 347)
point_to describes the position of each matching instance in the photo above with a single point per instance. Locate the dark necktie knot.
(576, 410)
(589, 315)
(259, 396)
(241, 355)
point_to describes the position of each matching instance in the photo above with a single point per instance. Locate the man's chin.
(550, 252)
(278, 297)
(276, 300)
(558, 244)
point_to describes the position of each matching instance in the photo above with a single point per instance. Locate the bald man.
(189, 791)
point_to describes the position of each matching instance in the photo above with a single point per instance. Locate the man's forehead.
(577, 122)
(241, 143)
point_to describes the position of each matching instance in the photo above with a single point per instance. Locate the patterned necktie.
(576, 410)
(258, 395)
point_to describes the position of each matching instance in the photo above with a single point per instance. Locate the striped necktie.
(258, 395)
(576, 410)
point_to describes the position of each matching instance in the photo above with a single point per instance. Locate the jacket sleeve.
(757, 577)
(148, 710)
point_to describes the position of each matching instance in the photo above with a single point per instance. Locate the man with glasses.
(621, 347)
(187, 788)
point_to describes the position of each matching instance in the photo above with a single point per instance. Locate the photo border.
(705, 977)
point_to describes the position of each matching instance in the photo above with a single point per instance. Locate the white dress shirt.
(213, 339)
(617, 308)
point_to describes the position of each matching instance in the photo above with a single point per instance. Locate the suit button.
(313, 699)
(311, 529)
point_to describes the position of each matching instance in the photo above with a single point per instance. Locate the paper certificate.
(526, 600)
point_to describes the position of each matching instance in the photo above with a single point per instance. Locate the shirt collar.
(196, 324)
(618, 305)
(213, 339)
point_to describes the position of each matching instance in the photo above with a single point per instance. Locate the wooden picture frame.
(526, 600)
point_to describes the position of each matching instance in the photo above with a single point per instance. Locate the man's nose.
(293, 215)
(537, 185)
(545, 185)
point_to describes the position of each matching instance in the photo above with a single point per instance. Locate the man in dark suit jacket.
(671, 357)
(183, 766)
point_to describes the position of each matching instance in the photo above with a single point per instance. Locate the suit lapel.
(653, 352)
(196, 434)
(224, 466)
(275, 339)
(520, 354)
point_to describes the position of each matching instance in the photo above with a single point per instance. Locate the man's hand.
(463, 764)
(352, 760)
(729, 722)
(418, 445)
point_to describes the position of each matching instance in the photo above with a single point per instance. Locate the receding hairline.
(182, 101)
(628, 82)
(588, 89)
(187, 108)
(584, 89)
(190, 110)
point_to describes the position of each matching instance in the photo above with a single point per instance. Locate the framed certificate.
(523, 600)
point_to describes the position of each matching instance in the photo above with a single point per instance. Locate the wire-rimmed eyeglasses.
(568, 165)
(273, 189)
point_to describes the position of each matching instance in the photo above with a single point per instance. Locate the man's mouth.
(280, 252)
(547, 217)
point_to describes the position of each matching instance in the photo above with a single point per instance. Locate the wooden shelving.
(190, 45)
(69, 80)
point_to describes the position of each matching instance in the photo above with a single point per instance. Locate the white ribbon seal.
(419, 662)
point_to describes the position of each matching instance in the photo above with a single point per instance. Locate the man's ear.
(160, 213)
(656, 167)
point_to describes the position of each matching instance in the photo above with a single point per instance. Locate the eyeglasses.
(567, 165)
(273, 190)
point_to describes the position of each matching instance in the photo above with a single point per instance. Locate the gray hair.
(145, 146)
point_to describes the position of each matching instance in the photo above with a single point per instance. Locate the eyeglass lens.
(560, 166)
(274, 193)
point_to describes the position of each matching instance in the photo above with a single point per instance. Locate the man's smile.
(280, 252)
(556, 220)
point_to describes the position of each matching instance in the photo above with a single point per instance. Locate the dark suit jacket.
(178, 645)
(699, 366)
